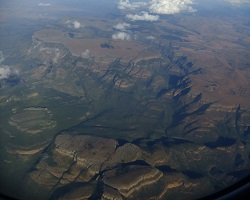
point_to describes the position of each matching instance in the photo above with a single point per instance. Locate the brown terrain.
(126, 49)
(222, 49)
(138, 119)
(209, 88)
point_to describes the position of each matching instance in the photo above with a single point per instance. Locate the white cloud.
(121, 26)
(143, 16)
(150, 38)
(238, 2)
(121, 36)
(166, 7)
(44, 4)
(54, 53)
(56, 56)
(170, 6)
(76, 24)
(125, 4)
(6, 71)
(86, 53)
(158, 7)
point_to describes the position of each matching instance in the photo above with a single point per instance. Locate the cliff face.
(132, 171)
(135, 181)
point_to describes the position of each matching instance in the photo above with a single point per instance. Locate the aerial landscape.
(123, 99)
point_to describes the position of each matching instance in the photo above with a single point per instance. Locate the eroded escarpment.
(166, 139)
(132, 127)
(132, 171)
(133, 180)
(73, 158)
(141, 132)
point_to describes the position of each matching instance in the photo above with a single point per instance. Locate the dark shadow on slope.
(221, 142)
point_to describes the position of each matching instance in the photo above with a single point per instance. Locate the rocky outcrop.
(76, 191)
(179, 186)
(74, 157)
(85, 150)
(110, 193)
(135, 181)
(123, 154)
(149, 170)
(80, 158)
